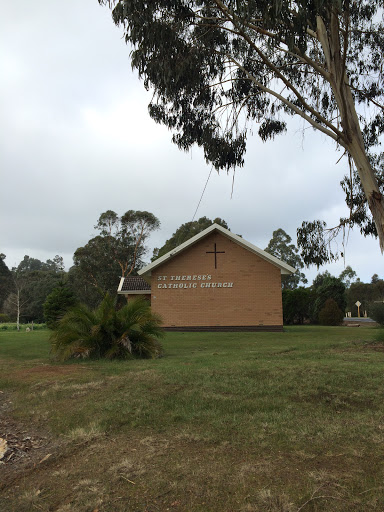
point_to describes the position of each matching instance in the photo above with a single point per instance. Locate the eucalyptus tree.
(281, 247)
(348, 276)
(216, 67)
(185, 232)
(116, 252)
(126, 236)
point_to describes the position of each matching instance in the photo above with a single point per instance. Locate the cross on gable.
(215, 252)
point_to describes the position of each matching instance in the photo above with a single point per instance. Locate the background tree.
(31, 281)
(375, 279)
(330, 287)
(126, 235)
(5, 280)
(281, 247)
(258, 61)
(185, 232)
(84, 290)
(116, 252)
(366, 294)
(297, 305)
(96, 265)
(348, 275)
(319, 279)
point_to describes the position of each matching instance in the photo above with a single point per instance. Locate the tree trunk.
(370, 187)
(352, 140)
(18, 310)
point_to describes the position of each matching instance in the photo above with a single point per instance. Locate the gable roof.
(284, 267)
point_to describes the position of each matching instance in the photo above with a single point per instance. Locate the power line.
(209, 175)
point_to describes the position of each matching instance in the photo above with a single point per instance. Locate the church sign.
(191, 281)
(214, 281)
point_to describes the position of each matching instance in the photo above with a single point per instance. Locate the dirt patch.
(48, 371)
(376, 347)
(24, 446)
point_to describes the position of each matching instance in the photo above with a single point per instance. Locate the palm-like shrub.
(133, 331)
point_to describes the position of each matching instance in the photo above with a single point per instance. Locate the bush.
(12, 326)
(57, 304)
(4, 318)
(297, 305)
(131, 332)
(331, 288)
(331, 314)
(376, 312)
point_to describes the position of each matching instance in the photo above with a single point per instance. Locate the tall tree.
(281, 247)
(125, 236)
(185, 232)
(348, 275)
(116, 252)
(258, 61)
(375, 279)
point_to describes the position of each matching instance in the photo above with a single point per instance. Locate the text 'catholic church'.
(216, 281)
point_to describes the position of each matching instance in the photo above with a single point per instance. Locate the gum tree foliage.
(28, 264)
(218, 67)
(375, 278)
(185, 232)
(348, 276)
(281, 247)
(127, 236)
(116, 252)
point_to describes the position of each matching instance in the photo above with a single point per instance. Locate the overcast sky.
(76, 140)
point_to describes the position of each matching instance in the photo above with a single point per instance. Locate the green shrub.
(331, 314)
(331, 288)
(57, 304)
(4, 318)
(130, 332)
(376, 312)
(297, 305)
(12, 326)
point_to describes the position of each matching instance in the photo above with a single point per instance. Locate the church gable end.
(217, 282)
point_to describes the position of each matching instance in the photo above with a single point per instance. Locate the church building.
(216, 281)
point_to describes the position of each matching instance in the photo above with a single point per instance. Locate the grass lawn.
(248, 422)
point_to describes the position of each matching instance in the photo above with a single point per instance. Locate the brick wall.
(244, 290)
